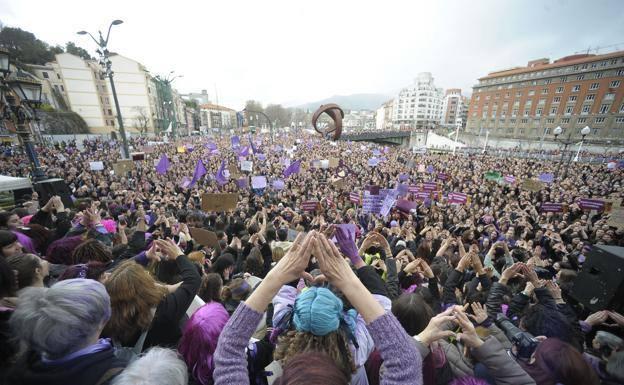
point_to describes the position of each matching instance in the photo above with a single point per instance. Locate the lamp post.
(557, 131)
(265, 116)
(107, 67)
(20, 96)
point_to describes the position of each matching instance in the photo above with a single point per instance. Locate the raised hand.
(480, 313)
(435, 330)
(169, 248)
(294, 263)
(468, 335)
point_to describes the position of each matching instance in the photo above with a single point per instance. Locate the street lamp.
(107, 67)
(19, 98)
(557, 131)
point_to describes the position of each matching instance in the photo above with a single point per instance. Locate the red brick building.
(572, 92)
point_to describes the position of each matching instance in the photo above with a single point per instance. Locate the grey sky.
(294, 51)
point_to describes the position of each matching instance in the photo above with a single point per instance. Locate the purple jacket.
(402, 361)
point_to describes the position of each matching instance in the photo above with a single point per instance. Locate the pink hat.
(26, 219)
(110, 225)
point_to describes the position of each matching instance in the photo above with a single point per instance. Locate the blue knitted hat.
(318, 311)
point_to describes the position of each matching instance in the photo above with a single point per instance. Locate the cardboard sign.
(137, 156)
(233, 171)
(204, 237)
(339, 183)
(616, 218)
(532, 185)
(334, 162)
(123, 166)
(219, 202)
(96, 166)
(148, 149)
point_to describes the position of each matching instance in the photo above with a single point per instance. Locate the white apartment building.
(383, 116)
(454, 109)
(419, 105)
(88, 93)
(359, 120)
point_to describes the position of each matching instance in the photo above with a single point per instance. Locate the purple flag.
(242, 183)
(403, 177)
(261, 156)
(402, 189)
(211, 146)
(253, 146)
(294, 168)
(235, 141)
(244, 151)
(186, 182)
(163, 165)
(200, 171)
(221, 178)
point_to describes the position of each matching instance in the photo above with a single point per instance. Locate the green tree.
(24, 47)
(78, 51)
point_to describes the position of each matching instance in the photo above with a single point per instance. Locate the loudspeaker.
(50, 187)
(600, 284)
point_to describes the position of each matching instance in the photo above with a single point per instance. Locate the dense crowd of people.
(309, 279)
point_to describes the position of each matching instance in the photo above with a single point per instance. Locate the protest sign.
(493, 176)
(333, 162)
(137, 156)
(278, 184)
(242, 183)
(430, 186)
(219, 202)
(339, 183)
(387, 205)
(457, 198)
(547, 177)
(616, 218)
(204, 237)
(181, 149)
(551, 207)
(373, 162)
(532, 185)
(421, 168)
(309, 205)
(246, 165)
(591, 204)
(233, 171)
(258, 182)
(147, 149)
(371, 204)
(325, 163)
(96, 166)
(122, 167)
(354, 197)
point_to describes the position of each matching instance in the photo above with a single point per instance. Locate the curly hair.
(91, 250)
(334, 344)
(133, 293)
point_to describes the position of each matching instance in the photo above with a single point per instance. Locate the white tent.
(9, 183)
(437, 141)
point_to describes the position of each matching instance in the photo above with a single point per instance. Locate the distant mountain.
(350, 102)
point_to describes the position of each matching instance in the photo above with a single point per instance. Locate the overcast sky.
(294, 51)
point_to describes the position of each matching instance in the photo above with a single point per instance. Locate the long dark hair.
(312, 368)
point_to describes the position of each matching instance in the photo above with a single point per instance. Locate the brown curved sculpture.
(334, 112)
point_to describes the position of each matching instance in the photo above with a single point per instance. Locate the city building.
(200, 98)
(572, 92)
(383, 116)
(144, 105)
(52, 88)
(215, 117)
(418, 106)
(453, 109)
(359, 120)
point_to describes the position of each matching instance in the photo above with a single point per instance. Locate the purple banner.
(550, 207)
(591, 204)
(457, 197)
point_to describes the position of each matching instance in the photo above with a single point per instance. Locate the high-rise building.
(200, 98)
(572, 92)
(453, 109)
(419, 105)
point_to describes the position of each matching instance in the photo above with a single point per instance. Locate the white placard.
(96, 166)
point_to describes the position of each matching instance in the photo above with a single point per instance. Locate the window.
(538, 112)
(565, 120)
(586, 109)
(598, 75)
(62, 88)
(110, 112)
(584, 67)
(609, 96)
(515, 111)
(604, 108)
(622, 109)
(590, 97)
(544, 91)
(559, 90)
(594, 86)
(563, 79)
(45, 75)
(569, 110)
(581, 120)
(547, 81)
(580, 77)
(572, 98)
(526, 112)
(518, 94)
(599, 120)
(619, 73)
(531, 92)
(550, 121)
(524, 120)
(576, 88)
(556, 99)
(614, 84)
(619, 119)
(553, 110)
(58, 76)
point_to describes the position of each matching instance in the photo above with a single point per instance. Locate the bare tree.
(141, 119)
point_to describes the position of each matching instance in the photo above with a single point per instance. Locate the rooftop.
(544, 63)
(216, 107)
